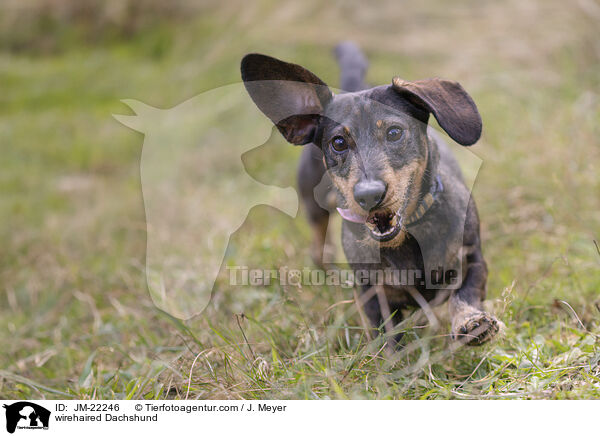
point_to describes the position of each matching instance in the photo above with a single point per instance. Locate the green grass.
(77, 318)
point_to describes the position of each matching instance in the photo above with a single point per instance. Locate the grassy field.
(77, 317)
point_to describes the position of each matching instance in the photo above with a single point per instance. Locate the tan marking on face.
(346, 130)
(414, 171)
(379, 123)
(346, 187)
(398, 182)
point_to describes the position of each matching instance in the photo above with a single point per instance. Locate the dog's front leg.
(383, 315)
(471, 325)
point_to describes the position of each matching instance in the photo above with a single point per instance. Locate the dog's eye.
(393, 133)
(339, 144)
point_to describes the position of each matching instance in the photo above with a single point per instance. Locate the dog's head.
(374, 142)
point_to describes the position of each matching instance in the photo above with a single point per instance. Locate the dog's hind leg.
(311, 173)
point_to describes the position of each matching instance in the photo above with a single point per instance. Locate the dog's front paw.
(475, 328)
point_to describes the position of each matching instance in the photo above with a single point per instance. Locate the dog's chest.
(405, 266)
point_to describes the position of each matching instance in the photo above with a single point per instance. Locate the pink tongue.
(348, 215)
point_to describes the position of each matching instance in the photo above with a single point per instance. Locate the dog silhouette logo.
(26, 415)
(197, 192)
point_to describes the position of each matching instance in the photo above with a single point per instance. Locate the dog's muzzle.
(382, 225)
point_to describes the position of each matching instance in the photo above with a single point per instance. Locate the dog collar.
(427, 201)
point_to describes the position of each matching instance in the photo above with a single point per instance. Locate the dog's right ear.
(291, 96)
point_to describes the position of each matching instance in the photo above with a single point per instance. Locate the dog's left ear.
(290, 95)
(449, 103)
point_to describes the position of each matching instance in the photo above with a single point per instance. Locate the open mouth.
(383, 225)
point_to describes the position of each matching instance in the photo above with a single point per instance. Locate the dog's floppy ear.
(449, 103)
(291, 96)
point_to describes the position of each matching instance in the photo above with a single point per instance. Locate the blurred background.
(76, 316)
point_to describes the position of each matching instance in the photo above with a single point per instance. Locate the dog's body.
(404, 203)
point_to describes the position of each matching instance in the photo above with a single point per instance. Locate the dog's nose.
(369, 193)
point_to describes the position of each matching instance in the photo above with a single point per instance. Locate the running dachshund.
(400, 191)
